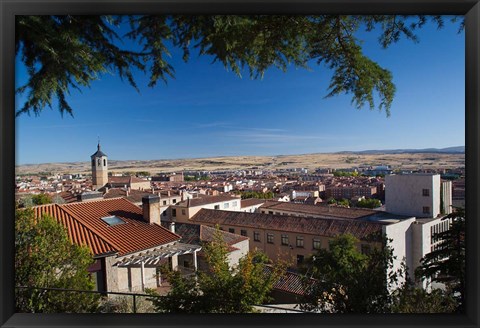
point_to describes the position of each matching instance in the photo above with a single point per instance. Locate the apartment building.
(292, 232)
(349, 192)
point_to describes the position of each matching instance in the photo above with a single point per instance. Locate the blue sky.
(206, 111)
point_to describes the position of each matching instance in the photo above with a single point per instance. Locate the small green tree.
(348, 281)
(369, 203)
(409, 299)
(45, 258)
(446, 264)
(41, 199)
(220, 289)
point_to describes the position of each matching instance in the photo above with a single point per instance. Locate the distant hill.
(449, 150)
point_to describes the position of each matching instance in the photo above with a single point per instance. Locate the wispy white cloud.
(69, 126)
(265, 137)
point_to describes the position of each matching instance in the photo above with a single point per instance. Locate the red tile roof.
(316, 210)
(251, 202)
(316, 226)
(135, 196)
(77, 232)
(133, 236)
(290, 282)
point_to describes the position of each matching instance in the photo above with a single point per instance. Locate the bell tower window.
(104, 162)
(98, 162)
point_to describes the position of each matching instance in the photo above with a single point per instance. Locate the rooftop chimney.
(172, 227)
(151, 209)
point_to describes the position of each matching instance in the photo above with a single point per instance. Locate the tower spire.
(98, 145)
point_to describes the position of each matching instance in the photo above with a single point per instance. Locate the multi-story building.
(413, 194)
(293, 232)
(349, 192)
(446, 197)
(294, 238)
(188, 207)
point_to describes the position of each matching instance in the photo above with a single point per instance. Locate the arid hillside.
(309, 161)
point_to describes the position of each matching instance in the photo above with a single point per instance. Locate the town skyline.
(208, 112)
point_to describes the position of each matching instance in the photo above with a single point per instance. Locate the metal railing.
(102, 293)
(135, 295)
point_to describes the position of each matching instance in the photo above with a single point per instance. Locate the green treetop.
(45, 258)
(65, 52)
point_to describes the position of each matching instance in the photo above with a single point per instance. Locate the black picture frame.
(10, 8)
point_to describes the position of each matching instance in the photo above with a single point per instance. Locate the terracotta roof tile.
(132, 236)
(77, 232)
(135, 196)
(252, 202)
(289, 282)
(316, 226)
(85, 226)
(318, 210)
(196, 234)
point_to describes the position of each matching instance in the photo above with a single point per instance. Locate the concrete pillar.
(142, 273)
(195, 264)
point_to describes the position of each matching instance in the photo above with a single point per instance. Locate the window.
(174, 200)
(243, 232)
(217, 207)
(426, 210)
(300, 259)
(112, 220)
(164, 213)
(225, 205)
(270, 238)
(104, 162)
(183, 212)
(231, 230)
(174, 212)
(284, 239)
(270, 212)
(316, 244)
(426, 192)
(234, 203)
(256, 236)
(300, 241)
(164, 202)
(98, 162)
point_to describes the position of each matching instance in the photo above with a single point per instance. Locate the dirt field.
(309, 161)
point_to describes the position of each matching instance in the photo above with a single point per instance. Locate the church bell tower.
(99, 169)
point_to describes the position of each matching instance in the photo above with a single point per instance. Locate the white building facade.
(413, 194)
